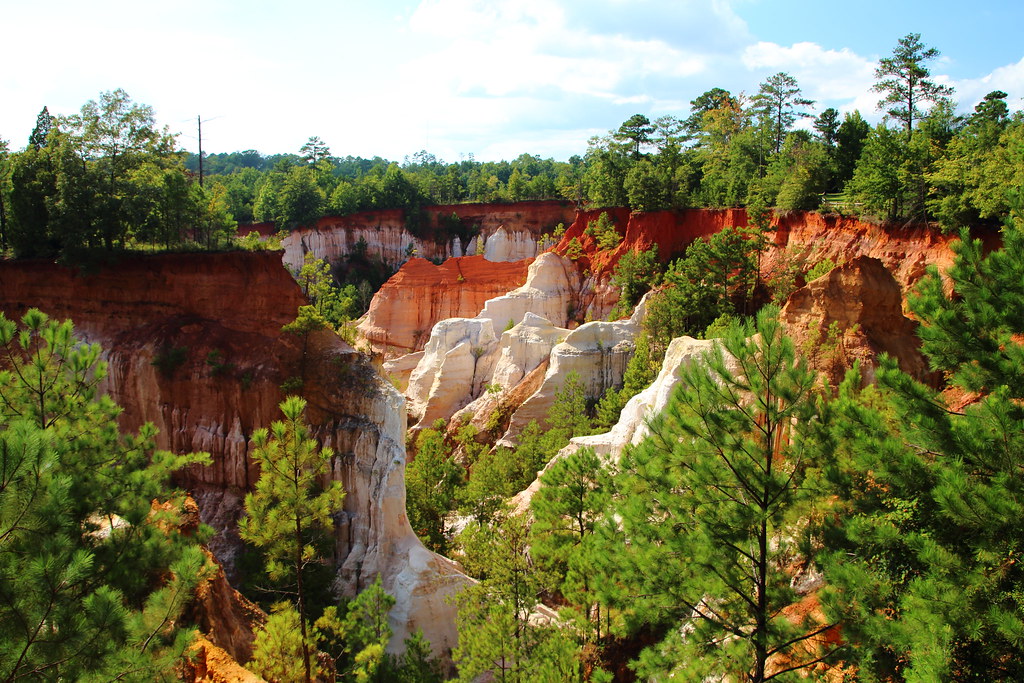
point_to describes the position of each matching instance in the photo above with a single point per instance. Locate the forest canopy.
(108, 177)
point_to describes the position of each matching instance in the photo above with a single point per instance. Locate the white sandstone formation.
(462, 354)
(523, 348)
(552, 286)
(503, 245)
(400, 369)
(379, 536)
(390, 244)
(456, 364)
(597, 351)
(632, 425)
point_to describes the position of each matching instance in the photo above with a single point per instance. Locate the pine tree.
(903, 80)
(925, 571)
(566, 510)
(290, 505)
(361, 636)
(81, 538)
(432, 481)
(708, 509)
(496, 632)
(778, 101)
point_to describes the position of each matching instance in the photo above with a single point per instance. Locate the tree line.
(108, 177)
(105, 178)
(923, 162)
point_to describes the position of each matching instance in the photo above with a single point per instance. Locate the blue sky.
(492, 78)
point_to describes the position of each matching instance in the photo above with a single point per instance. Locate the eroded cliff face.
(421, 294)
(502, 232)
(672, 231)
(194, 345)
(797, 237)
(461, 354)
(632, 426)
(905, 251)
(559, 288)
(853, 313)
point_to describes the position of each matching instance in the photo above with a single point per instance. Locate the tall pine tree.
(290, 506)
(926, 570)
(708, 512)
(93, 574)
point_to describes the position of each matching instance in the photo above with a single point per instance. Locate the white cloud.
(503, 68)
(1009, 79)
(824, 75)
(525, 46)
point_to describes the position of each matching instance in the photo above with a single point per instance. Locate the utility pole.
(199, 121)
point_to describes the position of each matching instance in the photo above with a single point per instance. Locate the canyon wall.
(194, 345)
(904, 250)
(502, 232)
(802, 236)
(853, 313)
(405, 309)
(420, 294)
(672, 231)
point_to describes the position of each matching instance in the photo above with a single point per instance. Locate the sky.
(488, 78)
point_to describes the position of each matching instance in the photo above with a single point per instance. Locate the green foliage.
(636, 132)
(876, 183)
(76, 187)
(729, 155)
(417, 663)
(604, 232)
(361, 636)
(432, 481)
(707, 509)
(574, 249)
(278, 647)
(903, 81)
(648, 186)
(495, 631)
(108, 178)
(289, 512)
(252, 242)
(820, 268)
(777, 103)
(351, 642)
(635, 274)
(802, 170)
(982, 165)
(169, 358)
(301, 199)
(720, 326)
(784, 279)
(924, 544)
(715, 276)
(566, 510)
(337, 305)
(502, 472)
(568, 414)
(95, 576)
(217, 363)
